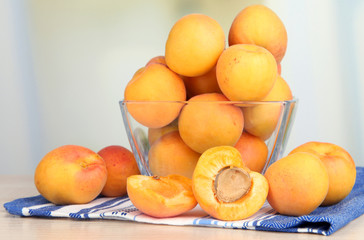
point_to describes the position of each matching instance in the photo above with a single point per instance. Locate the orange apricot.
(210, 120)
(339, 165)
(155, 133)
(206, 83)
(262, 120)
(253, 150)
(120, 164)
(225, 188)
(259, 25)
(155, 82)
(161, 196)
(298, 184)
(246, 72)
(170, 155)
(194, 44)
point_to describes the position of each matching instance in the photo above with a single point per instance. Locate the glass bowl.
(140, 117)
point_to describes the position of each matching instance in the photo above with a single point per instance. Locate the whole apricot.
(262, 120)
(253, 150)
(298, 184)
(259, 25)
(161, 196)
(170, 155)
(70, 174)
(339, 165)
(225, 188)
(120, 164)
(155, 82)
(206, 83)
(155, 133)
(157, 59)
(210, 120)
(194, 44)
(246, 72)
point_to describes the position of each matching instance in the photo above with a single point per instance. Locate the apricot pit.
(231, 184)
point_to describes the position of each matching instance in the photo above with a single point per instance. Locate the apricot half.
(225, 188)
(161, 196)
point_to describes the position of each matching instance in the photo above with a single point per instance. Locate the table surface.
(15, 227)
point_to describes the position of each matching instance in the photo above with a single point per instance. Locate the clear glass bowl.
(278, 114)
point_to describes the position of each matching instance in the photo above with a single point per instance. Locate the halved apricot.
(225, 188)
(161, 196)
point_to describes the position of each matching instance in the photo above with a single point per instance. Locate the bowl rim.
(293, 100)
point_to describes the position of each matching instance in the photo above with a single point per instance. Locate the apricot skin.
(246, 72)
(194, 44)
(155, 82)
(253, 150)
(262, 120)
(170, 155)
(120, 164)
(70, 174)
(298, 184)
(340, 166)
(155, 133)
(209, 120)
(257, 24)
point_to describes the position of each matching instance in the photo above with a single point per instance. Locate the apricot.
(298, 184)
(157, 59)
(155, 133)
(259, 25)
(70, 174)
(206, 83)
(339, 165)
(170, 155)
(262, 120)
(120, 164)
(225, 188)
(194, 44)
(161, 196)
(210, 120)
(156, 82)
(246, 72)
(253, 150)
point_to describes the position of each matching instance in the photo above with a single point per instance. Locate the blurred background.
(64, 65)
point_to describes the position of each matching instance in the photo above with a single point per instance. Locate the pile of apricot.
(208, 148)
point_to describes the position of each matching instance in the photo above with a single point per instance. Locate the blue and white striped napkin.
(324, 220)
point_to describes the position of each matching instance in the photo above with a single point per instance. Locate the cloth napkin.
(324, 220)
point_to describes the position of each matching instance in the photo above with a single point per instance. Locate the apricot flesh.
(298, 184)
(238, 201)
(161, 196)
(340, 166)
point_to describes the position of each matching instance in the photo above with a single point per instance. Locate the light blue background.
(64, 66)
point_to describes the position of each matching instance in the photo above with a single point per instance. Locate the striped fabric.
(324, 220)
